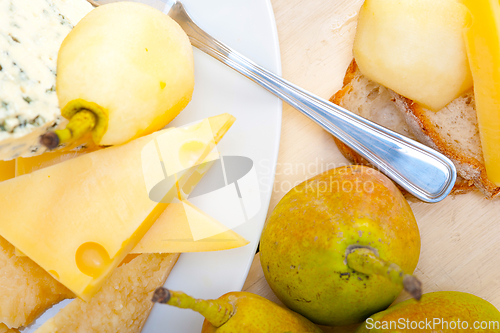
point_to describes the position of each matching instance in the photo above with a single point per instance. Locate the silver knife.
(422, 171)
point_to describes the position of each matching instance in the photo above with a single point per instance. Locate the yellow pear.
(341, 246)
(124, 71)
(237, 312)
(443, 311)
(415, 47)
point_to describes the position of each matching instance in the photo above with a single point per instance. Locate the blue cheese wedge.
(31, 33)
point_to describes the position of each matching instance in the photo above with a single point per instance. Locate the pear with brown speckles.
(341, 246)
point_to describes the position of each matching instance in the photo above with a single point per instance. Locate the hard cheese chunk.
(31, 164)
(31, 32)
(122, 305)
(80, 218)
(483, 46)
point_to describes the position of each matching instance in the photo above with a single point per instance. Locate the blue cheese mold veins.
(31, 32)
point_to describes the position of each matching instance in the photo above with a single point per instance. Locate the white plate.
(249, 27)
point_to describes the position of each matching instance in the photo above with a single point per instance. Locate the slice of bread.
(452, 131)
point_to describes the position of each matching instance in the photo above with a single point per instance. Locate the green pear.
(237, 312)
(443, 311)
(341, 246)
(124, 71)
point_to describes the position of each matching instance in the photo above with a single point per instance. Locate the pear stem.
(363, 260)
(80, 124)
(93, 3)
(217, 311)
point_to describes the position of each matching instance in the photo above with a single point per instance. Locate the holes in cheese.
(181, 148)
(51, 272)
(189, 151)
(92, 259)
(71, 217)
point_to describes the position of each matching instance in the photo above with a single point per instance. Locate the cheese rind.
(31, 32)
(34, 163)
(86, 214)
(7, 170)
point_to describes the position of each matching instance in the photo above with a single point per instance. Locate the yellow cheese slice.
(173, 231)
(183, 227)
(80, 218)
(483, 47)
(7, 169)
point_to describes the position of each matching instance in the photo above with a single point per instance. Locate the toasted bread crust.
(469, 169)
(338, 98)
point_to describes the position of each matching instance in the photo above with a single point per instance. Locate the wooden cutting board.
(460, 235)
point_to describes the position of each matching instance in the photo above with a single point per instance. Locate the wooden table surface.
(460, 235)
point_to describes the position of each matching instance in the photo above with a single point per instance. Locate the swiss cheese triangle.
(183, 227)
(172, 231)
(80, 218)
